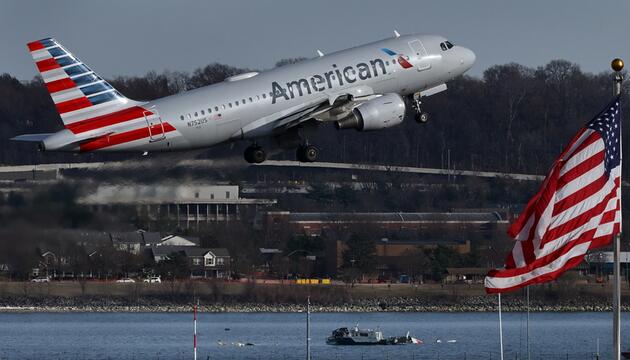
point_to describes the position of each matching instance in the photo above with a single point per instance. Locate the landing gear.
(420, 116)
(255, 154)
(307, 153)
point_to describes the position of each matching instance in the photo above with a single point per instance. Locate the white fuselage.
(247, 108)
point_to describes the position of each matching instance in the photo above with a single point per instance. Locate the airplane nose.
(467, 58)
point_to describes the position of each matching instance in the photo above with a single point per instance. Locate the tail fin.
(78, 93)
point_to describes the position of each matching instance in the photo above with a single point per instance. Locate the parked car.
(126, 280)
(153, 280)
(43, 279)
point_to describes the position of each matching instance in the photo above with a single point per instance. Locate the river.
(282, 336)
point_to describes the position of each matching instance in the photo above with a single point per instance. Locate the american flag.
(577, 208)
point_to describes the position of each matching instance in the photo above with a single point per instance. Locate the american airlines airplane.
(364, 88)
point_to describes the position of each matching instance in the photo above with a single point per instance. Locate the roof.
(176, 240)
(270, 251)
(139, 236)
(167, 250)
(470, 217)
(189, 251)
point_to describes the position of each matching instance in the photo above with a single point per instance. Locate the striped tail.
(79, 94)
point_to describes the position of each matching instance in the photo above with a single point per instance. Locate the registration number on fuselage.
(197, 122)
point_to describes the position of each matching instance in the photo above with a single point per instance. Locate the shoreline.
(88, 306)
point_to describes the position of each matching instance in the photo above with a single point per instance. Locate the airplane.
(366, 88)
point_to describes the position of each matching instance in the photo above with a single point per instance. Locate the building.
(203, 262)
(394, 257)
(184, 204)
(275, 223)
(134, 241)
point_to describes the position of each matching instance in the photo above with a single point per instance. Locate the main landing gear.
(255, 154)
(420, 116)
(307, 153)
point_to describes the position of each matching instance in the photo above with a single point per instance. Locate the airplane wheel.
(307, 153)
(422, 117)
(255, 155)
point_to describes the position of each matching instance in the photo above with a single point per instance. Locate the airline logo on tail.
(89, 104)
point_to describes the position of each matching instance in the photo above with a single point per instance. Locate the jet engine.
(382, 112)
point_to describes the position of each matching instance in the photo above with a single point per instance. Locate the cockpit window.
(448, 44)
(443, 46)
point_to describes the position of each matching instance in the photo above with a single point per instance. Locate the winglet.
(320, 53)
(396, 33)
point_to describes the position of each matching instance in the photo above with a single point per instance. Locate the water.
(282, 336)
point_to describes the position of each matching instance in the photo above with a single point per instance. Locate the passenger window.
(387, 62)
(270, 94)
(181, 117)
(209, 110)
(216, 108)
(196, 114)
(244, 101)
(230, 105)
(223, 106)
(393, 61)
(264, 96)
(257, 97)
(250, 100)
(203, 112)
(236, 103)
(190, 117)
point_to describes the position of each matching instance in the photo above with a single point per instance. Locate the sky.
(127, 37)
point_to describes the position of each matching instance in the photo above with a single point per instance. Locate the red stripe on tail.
(34, 46)
(59, 85)
(72, 105)
(47, 64)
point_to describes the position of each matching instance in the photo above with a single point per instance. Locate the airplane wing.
(324, 105)
(282, 120)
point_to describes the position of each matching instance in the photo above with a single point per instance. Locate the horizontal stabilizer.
(61, 140)
(31, 137)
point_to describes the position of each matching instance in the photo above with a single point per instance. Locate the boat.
(356, 336)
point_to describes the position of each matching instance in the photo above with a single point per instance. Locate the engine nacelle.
(379, 113)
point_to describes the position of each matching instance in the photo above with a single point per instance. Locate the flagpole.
(617, 66)
(308, 328)
(528, 352)
(500, 328)
(195, 330)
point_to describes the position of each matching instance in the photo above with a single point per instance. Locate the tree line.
(513, 118)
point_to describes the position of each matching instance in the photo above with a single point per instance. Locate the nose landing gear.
(420, 116)
(255, 154)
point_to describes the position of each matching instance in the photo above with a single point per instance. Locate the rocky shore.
(468, 304)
